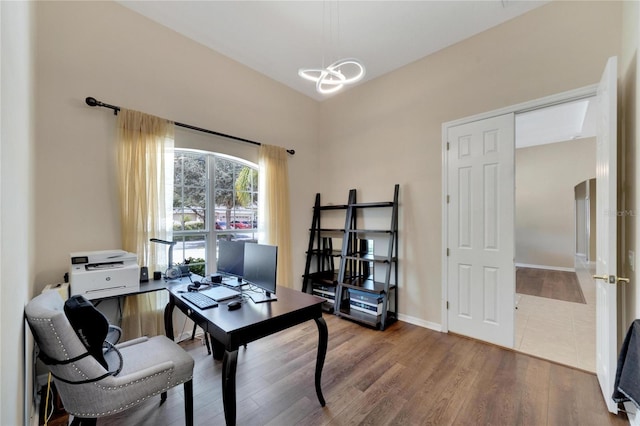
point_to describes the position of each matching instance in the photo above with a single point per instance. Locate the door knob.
(611, 279)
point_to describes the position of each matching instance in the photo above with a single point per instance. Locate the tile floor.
(559, 331)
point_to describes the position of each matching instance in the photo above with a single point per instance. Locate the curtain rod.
(94, 102)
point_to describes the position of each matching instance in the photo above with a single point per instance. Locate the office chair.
(138, 368)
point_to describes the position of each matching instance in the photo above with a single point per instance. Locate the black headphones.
(194, 287)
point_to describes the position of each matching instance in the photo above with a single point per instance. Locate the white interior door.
(480, 239)
(606, 217)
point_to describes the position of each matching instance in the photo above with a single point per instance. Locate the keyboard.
(200, 300)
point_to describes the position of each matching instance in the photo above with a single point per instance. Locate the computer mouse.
(232, 306)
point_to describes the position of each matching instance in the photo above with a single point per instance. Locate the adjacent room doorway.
(555, 295)
(476, 218)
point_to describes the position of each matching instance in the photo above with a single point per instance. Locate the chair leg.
(193, 333)
(206, 341)
(188, 402)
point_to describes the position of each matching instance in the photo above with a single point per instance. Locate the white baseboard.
(553, 268)
(421, 323)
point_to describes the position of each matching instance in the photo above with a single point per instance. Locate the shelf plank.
(370, 258)
(332, 253)
(370, 286)
(367, 319)
(334, 207)
(329, 278)
(329, 230)
(369, 231)
(374, 204)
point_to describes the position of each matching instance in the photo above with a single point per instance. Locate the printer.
(106, 273)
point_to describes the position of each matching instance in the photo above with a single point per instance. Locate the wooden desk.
(232, 329)
(145, 287)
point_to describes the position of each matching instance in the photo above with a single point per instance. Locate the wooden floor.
(406, 375)
(560, 285)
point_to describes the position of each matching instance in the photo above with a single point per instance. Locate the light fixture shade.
(335, 76)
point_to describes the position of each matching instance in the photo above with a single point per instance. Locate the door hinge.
(447, 146)
(447, 199)
(447, 251)
(447, 305)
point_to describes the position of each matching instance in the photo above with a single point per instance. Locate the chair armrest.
(132, 342)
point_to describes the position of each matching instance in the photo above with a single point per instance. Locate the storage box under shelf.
(374, 321)
(366, 302)
(326, 292)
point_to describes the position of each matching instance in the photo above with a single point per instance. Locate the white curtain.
(274, 213)
(145, 179)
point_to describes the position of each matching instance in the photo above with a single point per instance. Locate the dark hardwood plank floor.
(560, 285)
(406, 375)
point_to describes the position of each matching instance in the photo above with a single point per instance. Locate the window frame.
(209, 233)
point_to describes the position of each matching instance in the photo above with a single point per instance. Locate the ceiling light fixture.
(334, 77)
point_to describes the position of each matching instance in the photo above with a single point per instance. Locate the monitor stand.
(263, 297)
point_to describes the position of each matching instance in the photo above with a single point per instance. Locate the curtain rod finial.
(91, 101)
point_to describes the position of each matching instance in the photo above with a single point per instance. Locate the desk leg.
(217, 348)
(168, 331)
(323, 340)
(229, 364)
(168, 318)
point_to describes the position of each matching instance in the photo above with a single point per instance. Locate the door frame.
(547, 101)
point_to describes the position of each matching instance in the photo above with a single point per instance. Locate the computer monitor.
(260, 268)
(231, 258)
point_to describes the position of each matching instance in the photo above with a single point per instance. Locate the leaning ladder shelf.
(359, 295)
(320, 273)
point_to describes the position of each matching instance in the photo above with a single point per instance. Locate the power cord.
(47, 415)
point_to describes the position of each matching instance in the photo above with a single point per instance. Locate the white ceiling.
(276, 38)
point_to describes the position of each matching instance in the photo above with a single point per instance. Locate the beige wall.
(16, 206)
(104, 50)
(585, 194)
(546, 177)
(389, 130)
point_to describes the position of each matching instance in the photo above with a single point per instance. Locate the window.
(215, 197)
